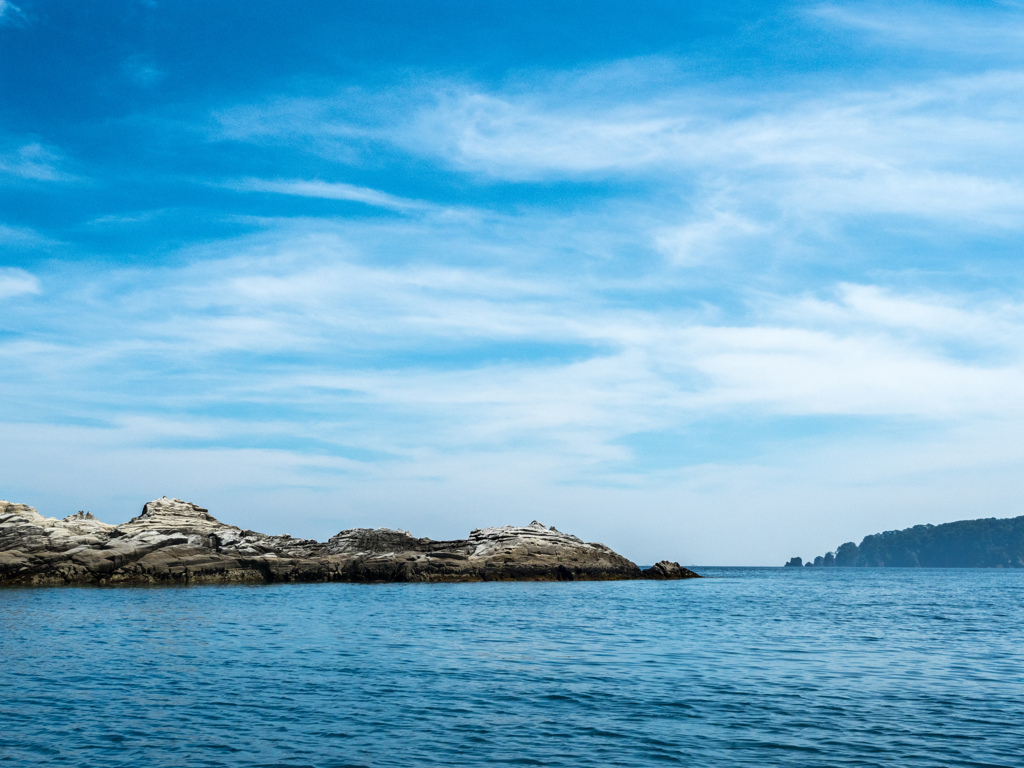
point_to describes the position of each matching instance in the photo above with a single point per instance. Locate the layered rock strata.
(174, 541)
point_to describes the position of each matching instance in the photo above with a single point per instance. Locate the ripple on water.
(751, 667)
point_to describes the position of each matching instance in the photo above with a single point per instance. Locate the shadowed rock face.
(174, 541)
(668, 570)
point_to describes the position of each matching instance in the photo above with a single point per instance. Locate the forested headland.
(986, 543)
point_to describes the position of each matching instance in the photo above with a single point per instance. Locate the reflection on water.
(749, 667)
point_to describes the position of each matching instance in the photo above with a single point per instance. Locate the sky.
(717, 283)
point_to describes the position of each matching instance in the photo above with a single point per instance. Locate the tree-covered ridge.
(987, 543)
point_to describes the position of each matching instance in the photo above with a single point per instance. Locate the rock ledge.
(175, 541)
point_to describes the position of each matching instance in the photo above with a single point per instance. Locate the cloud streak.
(348, 326)
(936, 149)
(17, 282)
(33, 162)
(9, 11)
(993, 32)
(329, 191)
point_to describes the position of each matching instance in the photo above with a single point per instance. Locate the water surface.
(780, 667)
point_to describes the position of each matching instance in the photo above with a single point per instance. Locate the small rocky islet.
(174, 541)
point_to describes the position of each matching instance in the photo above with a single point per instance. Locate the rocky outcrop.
(664, 569)
(174, 541)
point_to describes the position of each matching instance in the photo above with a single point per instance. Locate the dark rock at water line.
(174, 541)
(795, 562)
(665, 569)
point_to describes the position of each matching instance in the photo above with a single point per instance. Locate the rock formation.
(174, 541)
(664, 569)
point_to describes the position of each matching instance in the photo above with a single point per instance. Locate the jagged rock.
(176, 541)
(668, 570)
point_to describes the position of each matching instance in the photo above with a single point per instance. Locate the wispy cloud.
(10, 12)
(583, 361)
(314, 353)
(17, 282)
(35, 162)
(717, 177)
(24, 237)
(935, 149)
(705, 239)
(988, 31)
(329, 191)
(122, 219)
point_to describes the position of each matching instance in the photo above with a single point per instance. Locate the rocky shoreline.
(177, 542)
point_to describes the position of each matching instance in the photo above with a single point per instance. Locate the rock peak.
(165, 513)
(24, 510)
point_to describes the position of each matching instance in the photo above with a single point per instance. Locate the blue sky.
(719, 283)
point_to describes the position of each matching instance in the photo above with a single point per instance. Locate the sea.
(747, 667)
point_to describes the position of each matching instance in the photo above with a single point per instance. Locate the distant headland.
(175, 541)
(986, 543)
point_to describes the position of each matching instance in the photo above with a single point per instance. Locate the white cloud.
(705, 239)
(17, 282)
(927, 316)
(9, 11)
(321, 126)
(798, 371)
(332, 354)
(23, 237)
(720, 169)
(329, 191)
(122, 219)
(521, 139)
(938, 149)
(512, 135)
(985, 31)
(33, 161)
(869, 351)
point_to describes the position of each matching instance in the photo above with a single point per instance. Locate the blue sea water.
(759, 667)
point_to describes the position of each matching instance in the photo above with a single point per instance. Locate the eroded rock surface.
(176, 541)
(665, 569)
